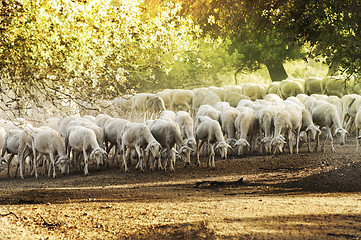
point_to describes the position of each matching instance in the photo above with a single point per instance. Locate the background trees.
(85, 50)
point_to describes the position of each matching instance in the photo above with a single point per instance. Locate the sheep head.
(155, 148)
(277, 144)
(185, 154)
(312, 130)
(100, 156)
(222, 147)
(63, 162)
(266, 142)
(191, 142)
(340, 135)
(242, 145)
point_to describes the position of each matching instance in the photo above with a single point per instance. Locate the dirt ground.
(304, 196)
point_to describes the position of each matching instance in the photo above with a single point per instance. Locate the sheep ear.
(4, 161)
(358, 137)
(336, 130)
(283, 141)
(248, 144)
(229, 146)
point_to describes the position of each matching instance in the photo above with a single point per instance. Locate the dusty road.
(309, 195)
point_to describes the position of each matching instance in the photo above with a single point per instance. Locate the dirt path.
(309, 195)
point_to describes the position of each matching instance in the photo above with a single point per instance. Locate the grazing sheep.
(208, 110)
(222, 105)
(265, 116)
(309, 127)
(350, 105)
(295, 113)
(182, 100)
(138, 136)
(325, 114)
(209, 131)
(113, 133)
(101, 119)
(49, 142)
(254, 91)
(166, 96)
(246, 125)
(226, 119)
(154, 105)
(233, 98)
(168, 134)
(211, 99)
(168, 114)
(11, 146)
(83, 141)
(290, 88)
(282, 127)
(313, 85)
(185, 123)
(138, 105)
(333, 85)
(274, 88)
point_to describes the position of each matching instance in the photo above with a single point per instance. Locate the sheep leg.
(199, 145)
(317, 141)
(357, 139)
(170, 160)
(52, 162)
(86, 171)
(125, 157)
(9, 163)
(211, 157)
(331, 139)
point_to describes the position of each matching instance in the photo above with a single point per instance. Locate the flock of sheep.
(156, 129)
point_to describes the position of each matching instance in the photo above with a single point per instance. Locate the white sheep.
(50, 143)
(168, 114)
(113, 131)
(333, 85)
(101, 119)
(325, 114)
(209, 131)
(358, 128)
(138, 136)
(208, 110)
(282, 127)
(138, 105)
(166, 95)
(272, 97)
(185, 123)
(309, 127)
(222, 105)
(295, 113)
(10, 146)
(83, 141)
(154, 105)
(290, 88)
(265, 116)
(182, 100)
(313, 85)
(233, 98)
(350, 105)
(226, 119)
(246, 125)
(274, 88)
(167, 133)
(211, 99)
(254, 91)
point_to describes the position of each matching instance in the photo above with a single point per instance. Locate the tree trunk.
(276, 71)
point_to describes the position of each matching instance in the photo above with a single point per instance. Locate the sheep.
(246, 126)
(185, 123)
(265, 116)
(138, 105)
(101, 119)
(52, 123)
(198, 100)
(166, 96)
(124, 104)
(182, 100)
(209, 131)
(358, 127)
(138, 136)
(313, 85)
(168, 134)
(350, 105)
(290, 88)
(11, 146)
(211, 99)
(222, 105)
(233, 98)
(333, 85)
(113, 133)
(49, 142)
(295, 113)
(232, 88)
(208, 110)
(253, 91)
(168, 114)
(272, 97)
(153, 105)
(226, 119)
(219, 91)
(63, 124)
(82, 140)
(282, 124)
(325, 114)
(309, 127)
(274, 88)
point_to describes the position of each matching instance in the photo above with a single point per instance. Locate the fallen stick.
(46, 223)
(220, 183)
(7, 214)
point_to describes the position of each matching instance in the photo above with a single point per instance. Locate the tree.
(254, 37)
